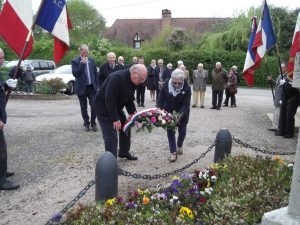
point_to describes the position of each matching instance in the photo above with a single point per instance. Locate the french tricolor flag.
(53, 17)
(248, 71)
(15, 25)
(264, 38)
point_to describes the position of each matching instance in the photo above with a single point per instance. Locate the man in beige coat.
(200, 77)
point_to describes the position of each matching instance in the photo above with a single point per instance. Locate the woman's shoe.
(173, 157)
(179, 151)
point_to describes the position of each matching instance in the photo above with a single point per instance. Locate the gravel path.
(54, 158)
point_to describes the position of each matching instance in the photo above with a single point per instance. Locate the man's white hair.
(179, 63)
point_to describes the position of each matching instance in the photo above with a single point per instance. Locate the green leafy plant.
(51, 86)
(246, 189)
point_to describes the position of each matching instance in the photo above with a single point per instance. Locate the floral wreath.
(152, 117)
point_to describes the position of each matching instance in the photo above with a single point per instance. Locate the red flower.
(153, 119)
(202, 200)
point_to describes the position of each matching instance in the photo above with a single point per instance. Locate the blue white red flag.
(248, 71)
(15, 25)
(53, 17)
(264, 38)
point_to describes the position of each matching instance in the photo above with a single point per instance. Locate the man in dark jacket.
(109, 67)
(290, 101)
(85, 72)
(140, 89)
(158, 76)
(117, 92)
(5, 184)
(219, 79)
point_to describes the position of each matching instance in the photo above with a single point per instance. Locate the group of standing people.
(286, 102)
(114, 87)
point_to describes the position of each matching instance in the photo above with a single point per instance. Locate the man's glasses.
(177, 83)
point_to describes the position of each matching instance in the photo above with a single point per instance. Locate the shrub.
(51, 86)
(236, 191)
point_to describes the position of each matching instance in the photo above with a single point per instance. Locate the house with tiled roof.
(133, 32)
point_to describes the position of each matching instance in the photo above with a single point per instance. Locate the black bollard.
(106, 177)
(223, 144)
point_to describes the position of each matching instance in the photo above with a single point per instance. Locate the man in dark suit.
(109, 67)
(140, 89)
(116, 93)
(158, 76)
(85, 72)
(5, 184)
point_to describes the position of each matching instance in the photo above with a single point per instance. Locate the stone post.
(106, 177)
(223, 144)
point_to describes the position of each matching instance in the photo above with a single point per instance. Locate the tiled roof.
(124, 30)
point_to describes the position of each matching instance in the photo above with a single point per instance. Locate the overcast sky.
(151, 9)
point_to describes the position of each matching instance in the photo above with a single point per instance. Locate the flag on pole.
(248, 71)
(53, 17)
(264, 38)
(15, 25)
(294, 48)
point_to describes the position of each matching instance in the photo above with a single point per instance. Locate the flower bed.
(236, 191)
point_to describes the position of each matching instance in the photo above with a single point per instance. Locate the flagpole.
(24, 48)
(268, 72)
(279, 61)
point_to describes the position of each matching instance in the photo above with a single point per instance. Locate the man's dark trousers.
(111, 139)
(215, 95)
(3, 157)
(89, 93)
(140, 95)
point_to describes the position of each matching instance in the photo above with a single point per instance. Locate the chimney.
(166, 18)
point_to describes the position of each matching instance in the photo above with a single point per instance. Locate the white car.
(63, 72)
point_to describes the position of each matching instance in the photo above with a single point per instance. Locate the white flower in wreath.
(163, 122)
(200, 175)
(183, 92)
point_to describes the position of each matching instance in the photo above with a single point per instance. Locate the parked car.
(39, 66)
(65, 73)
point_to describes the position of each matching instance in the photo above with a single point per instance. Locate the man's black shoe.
(193, 106)
(87, 127)
(128, 156)
(272, 129)
(143, 105)
(94, 128)
(138, 105)
(277, 133)
(213, 107)
(9, 185)
(288, 136)
(225, 105)
(9, 174)
(218, 108)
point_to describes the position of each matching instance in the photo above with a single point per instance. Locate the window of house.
(137, 41)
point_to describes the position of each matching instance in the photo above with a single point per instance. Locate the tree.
(87, 22)
(177, 39)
